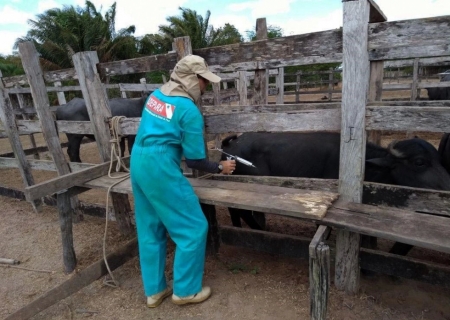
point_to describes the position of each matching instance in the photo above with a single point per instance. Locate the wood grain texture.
(355, 88)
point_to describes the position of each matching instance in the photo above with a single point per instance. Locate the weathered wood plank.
(280, 86)
(8, 119)
(319, 280)
(432, 116)
(424, 62)
(242, 84)
(355, 88)
(294, 202)
(405, 39)
(69, 180)
(67, 205)
(404, 226)
(414, 199)
(312, 120)
(431, 119)
(45, 165)
(49, 76)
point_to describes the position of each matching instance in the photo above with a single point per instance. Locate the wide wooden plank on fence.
(305, 204)
(394, 224)
(414, 199)
(403, 118)
(427, 37)
(311, 120)
(45, 165)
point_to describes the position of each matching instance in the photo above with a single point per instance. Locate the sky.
(293, 16)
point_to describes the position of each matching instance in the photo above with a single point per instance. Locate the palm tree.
(59, 33)
(195, 26)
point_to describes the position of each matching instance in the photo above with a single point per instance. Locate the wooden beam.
(242, 84)
(46, 165)
(426, 119)
(69, 180)
(77, 282)
(406, 39)
(425, 231)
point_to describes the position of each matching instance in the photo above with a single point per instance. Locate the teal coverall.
(164, 199)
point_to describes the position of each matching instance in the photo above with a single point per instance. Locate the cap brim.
(211, 77)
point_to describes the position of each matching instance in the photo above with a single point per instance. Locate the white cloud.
(146, 16)
(413, 9)
(262, 8)
(46, 5)
(242, 23)
(328, 21)
(9, 15)
(8, 39)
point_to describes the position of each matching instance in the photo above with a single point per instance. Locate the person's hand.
(228, 166)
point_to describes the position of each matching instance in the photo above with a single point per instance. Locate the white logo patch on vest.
(159, 108)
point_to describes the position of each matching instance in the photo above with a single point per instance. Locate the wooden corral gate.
(363, 44)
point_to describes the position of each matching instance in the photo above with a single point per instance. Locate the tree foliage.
(59, 33)
(272, 32)
(198, 28)
(11, 65)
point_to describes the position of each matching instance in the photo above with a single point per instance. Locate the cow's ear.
(444, 151)
(380, 162)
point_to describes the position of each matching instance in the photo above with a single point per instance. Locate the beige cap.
(196, 64)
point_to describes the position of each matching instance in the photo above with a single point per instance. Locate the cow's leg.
(248, 218)
(73, 149)
(235, 216)
(260, 219)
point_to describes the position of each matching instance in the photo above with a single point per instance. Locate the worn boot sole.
(188, 301)
(160, 300)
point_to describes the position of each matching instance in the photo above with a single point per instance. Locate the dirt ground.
(246, 284)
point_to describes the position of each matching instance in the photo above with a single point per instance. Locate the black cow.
(413, 162)
(75, 110)
(440, 93)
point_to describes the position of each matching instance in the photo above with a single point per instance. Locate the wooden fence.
(362, 55)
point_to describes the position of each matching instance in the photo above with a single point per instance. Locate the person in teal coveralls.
(171, 127)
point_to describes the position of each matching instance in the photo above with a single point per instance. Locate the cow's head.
(414, 163)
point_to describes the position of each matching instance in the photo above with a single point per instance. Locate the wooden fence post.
(60, 94)
(297, 87)
(355, 86)
(67, 206)
(280, 86)
(415, 82)
(261, 82)
(97, 104)
(242, 84)
(8, 119)
(319, 274)
(330, 84)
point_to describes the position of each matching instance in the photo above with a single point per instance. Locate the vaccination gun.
(238, 159)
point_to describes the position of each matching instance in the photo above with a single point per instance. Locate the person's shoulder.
(176, 100)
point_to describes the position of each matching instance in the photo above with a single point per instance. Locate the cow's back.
(130, 108)
(74, 110)
(312, 155)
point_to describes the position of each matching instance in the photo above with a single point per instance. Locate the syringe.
(239, 159)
